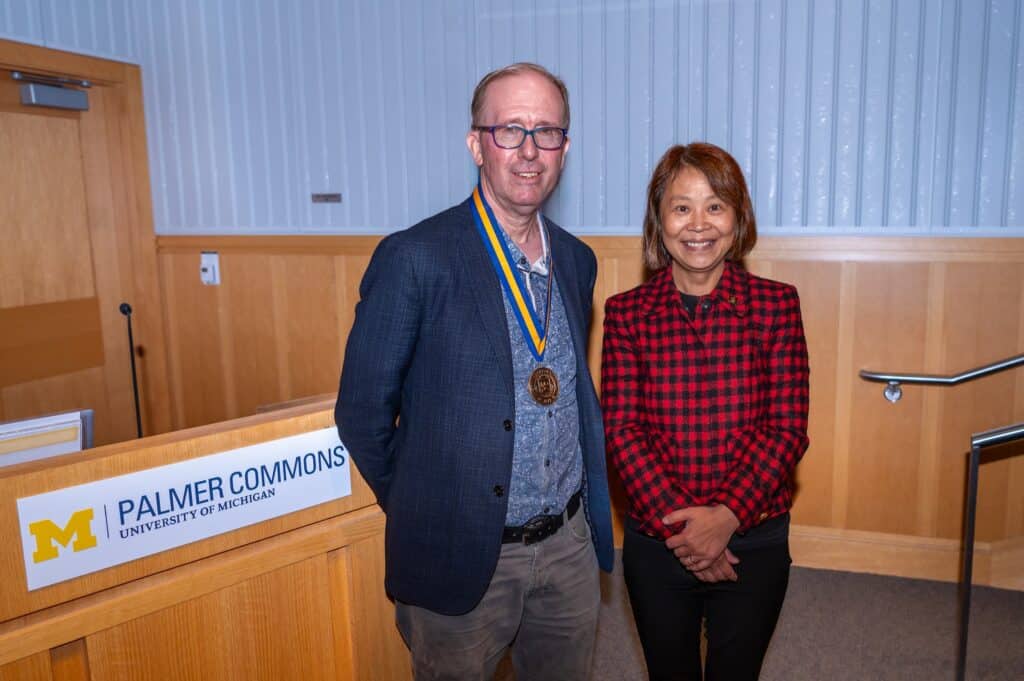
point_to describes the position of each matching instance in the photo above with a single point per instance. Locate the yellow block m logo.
(47, 532)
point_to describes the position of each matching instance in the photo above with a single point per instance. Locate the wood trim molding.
(998, 564)
(46, 60)
(269, 245)
(1007, 571)
(818, 248)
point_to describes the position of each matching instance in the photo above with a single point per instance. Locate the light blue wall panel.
(21, 20)
(848, 116)
(1013, 188)
(994, 131)
(768, 97)
(902, 97)
(794, 96)
(743, 84)
(591, 123)
(822, 95)
(95, 27)
(618, 92)
(875, 113)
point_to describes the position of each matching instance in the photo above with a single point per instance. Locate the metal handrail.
(989, 438)
(997, 436)
(893, 392)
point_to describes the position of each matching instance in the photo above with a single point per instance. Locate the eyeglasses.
(546, 137)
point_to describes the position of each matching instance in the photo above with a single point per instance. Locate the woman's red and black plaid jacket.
(708, 410)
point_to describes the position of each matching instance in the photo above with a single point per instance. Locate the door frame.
(127, 155)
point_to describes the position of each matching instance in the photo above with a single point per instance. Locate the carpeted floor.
(841, 626)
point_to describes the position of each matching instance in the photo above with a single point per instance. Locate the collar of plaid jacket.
(732, 293)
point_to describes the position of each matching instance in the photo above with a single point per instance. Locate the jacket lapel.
(567, 278)
(487, 293)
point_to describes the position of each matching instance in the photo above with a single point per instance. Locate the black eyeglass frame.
(526, 133)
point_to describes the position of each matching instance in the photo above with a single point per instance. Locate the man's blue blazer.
(426, 405)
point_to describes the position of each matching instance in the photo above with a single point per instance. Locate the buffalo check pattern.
(710, 409)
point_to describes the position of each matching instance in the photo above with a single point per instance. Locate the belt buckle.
(536, 528)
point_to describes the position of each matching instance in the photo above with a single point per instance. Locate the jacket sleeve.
(649, 486)
(378, 353)
(766, 455)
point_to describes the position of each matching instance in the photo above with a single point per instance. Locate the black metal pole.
(968, 566)
(126, 310)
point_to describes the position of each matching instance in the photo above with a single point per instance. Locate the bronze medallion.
(544, 386)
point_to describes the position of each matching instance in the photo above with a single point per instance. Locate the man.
(467, 405)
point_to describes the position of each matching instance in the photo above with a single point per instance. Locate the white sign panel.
(78, 530)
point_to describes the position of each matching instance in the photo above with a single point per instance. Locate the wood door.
(77, 241)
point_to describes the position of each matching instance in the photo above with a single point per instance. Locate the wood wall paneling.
(305, 314)
(130, 164)
(197, 365)
(910, 304)
(32, 668)
(270, 332)
(378, 658)
(982, 306)
(273, 626)
(50, 339)
(1015, 503)
(339, 589)
(247, 314)
(818, 284)
(890, 306)
(70, 661)
(348, 272)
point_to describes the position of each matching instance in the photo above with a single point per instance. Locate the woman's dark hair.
(726, 180)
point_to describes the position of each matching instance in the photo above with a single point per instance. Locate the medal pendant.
(543, 386)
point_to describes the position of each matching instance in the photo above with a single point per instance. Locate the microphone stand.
(126, 310)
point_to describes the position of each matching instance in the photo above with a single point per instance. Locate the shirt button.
(499, 491)
(547, 462)
(547, 509)
(507, 425)
(551, 413)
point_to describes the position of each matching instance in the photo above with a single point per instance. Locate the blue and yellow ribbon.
(534, 330)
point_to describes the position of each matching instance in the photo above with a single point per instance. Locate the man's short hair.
(514, 70)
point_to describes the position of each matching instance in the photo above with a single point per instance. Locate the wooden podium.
(300, 596)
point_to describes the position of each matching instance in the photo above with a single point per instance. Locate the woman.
(704, 388)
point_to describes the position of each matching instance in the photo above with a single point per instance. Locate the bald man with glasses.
(467, 405)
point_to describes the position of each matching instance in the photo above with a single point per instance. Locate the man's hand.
(705, 534)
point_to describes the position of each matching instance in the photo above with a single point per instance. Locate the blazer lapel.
(568, 278)
(488, 294)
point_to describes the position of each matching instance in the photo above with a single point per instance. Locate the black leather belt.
(540, 527)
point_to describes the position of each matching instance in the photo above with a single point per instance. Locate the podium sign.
(77, 530)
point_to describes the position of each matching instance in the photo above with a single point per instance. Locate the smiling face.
(698, 229)
(516, 182)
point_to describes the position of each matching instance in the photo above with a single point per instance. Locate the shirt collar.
(541, 266)
(731, 293)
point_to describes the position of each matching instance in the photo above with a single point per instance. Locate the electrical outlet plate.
(209, 268)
